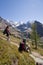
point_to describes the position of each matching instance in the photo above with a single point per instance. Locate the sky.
(22, 10)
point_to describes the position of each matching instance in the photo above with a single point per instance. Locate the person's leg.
(8, 38)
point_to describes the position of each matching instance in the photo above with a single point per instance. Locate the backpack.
(4, 32)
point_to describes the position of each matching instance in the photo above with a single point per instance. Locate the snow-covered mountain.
(24, 26)
(21, 26)
(16, 23)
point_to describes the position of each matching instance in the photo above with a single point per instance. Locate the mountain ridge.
(22, 27)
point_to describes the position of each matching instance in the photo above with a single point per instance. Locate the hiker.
(7, 32)
(22, 45)
(24, 40)
(26, 46)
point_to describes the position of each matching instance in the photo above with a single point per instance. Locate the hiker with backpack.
(24, 47)
(7, 32)
(21, 46)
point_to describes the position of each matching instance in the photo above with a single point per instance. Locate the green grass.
(15, 39)
(12, 38)
(9, 52)
(38, 50)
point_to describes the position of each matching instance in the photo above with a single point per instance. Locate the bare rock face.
(3, 23)
(39, 28)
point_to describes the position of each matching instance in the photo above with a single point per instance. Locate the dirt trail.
(10, 41)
